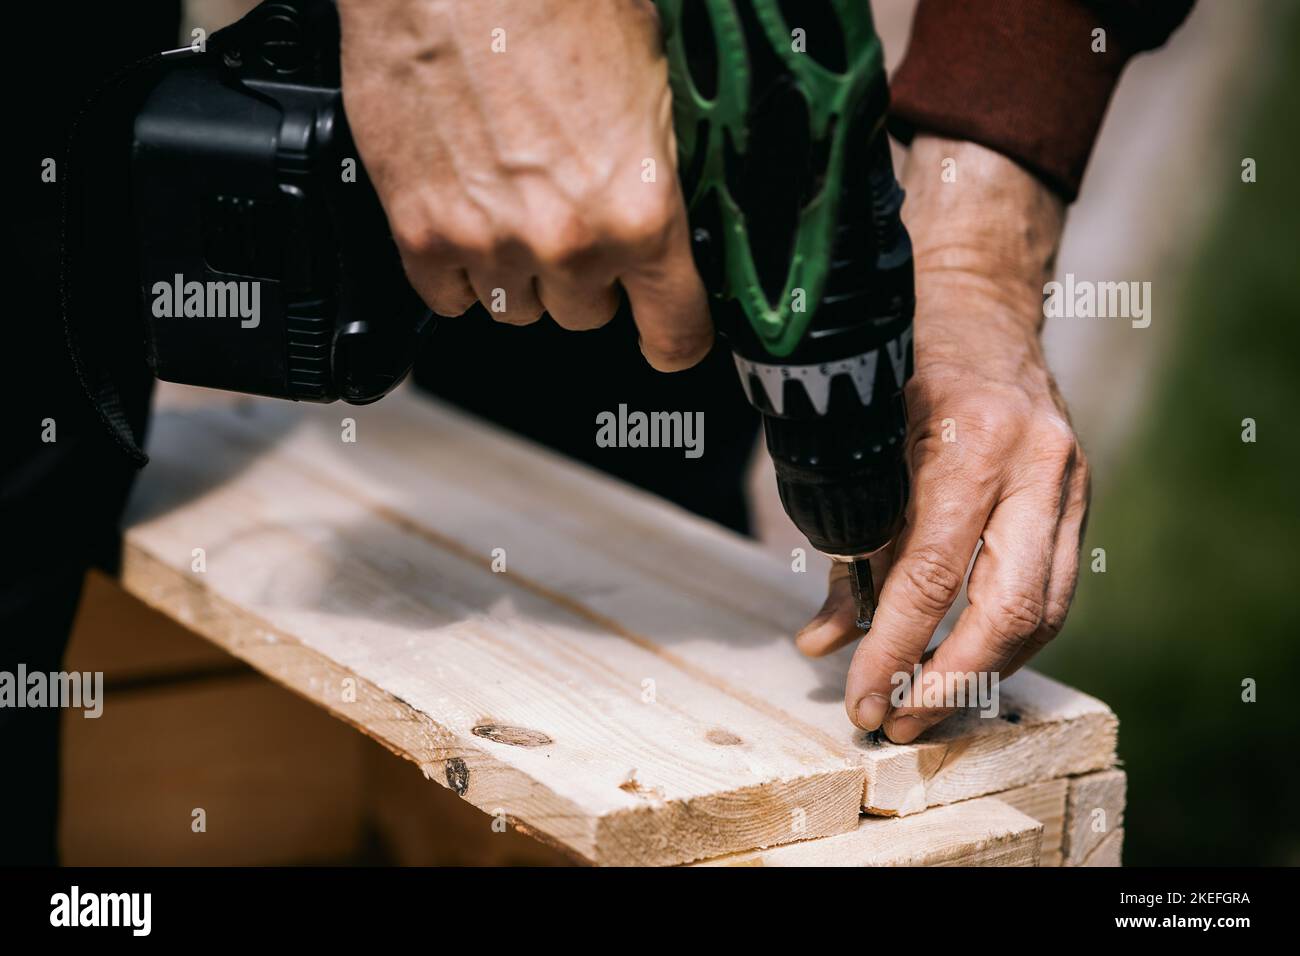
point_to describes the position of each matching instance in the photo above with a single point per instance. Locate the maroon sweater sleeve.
(1021, 77)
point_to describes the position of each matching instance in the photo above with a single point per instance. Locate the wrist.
(981, 225)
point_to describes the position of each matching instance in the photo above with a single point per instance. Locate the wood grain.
(1044, 730)
(372, 561)
(1044, 802)
(1094, 810)
(982, 832)
(131, 644)
(1109, 852)
(316, 585)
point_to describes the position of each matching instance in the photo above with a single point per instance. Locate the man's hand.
(992, 455)
(524, 154)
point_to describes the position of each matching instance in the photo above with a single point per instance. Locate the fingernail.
(871, 711)
(904, 729)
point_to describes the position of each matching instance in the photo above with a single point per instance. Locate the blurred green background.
(1201, 530)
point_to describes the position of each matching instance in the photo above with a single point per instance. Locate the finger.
(1065, 567)
(575, 305)
(669, 305)
(511, 299)
(945, 517)
(1007, 592)
(836, 624)
(446, 291)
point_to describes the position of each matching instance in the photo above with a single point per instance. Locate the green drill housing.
(708, 127)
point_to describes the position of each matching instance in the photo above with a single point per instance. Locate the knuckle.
(675, 352)
(1054, 616)
(581, 322)
(413, 232)
(641, 222)
(891, 659)
(564, 243)
(1055, 438)
(451, 305)
(932, 580)
(1012, 617)
(516, 317)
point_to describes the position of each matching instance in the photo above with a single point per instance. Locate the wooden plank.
(707, 599)
(1109, 852)
(320, 540)
(129, 642)
(419, 824)
(510, 698)
(1094, 810)
(1044, 730)
(982, 832)
(278, 780)
(1044, 802)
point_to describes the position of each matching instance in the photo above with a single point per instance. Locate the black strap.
(96, 228)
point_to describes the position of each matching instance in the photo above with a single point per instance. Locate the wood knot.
(514, 736)
(634, 786)
(457, 775)
(723, 738)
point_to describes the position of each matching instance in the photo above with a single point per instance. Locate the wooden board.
(1044, 730)
(1094, 812)
(329, 560)
(982, 832)
(1044, 802)
(132, 644)
(1109, 852)
(710, 600)
(513, 700)
(420, 824)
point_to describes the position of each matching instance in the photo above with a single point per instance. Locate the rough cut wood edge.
(1044, 802)
(1109, 852)
(1094, 811)
(1044, 730)
(134, 645)
(982, 832)
(824, 802)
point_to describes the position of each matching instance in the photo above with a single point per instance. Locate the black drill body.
(833, 410)
(236, 175)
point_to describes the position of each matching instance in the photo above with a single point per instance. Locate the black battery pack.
(266, 264)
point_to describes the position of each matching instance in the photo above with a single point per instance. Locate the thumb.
(836, 624)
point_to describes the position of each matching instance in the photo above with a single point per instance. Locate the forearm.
(983, 224)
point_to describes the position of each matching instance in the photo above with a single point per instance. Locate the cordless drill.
(795, 214)
(239, 172)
